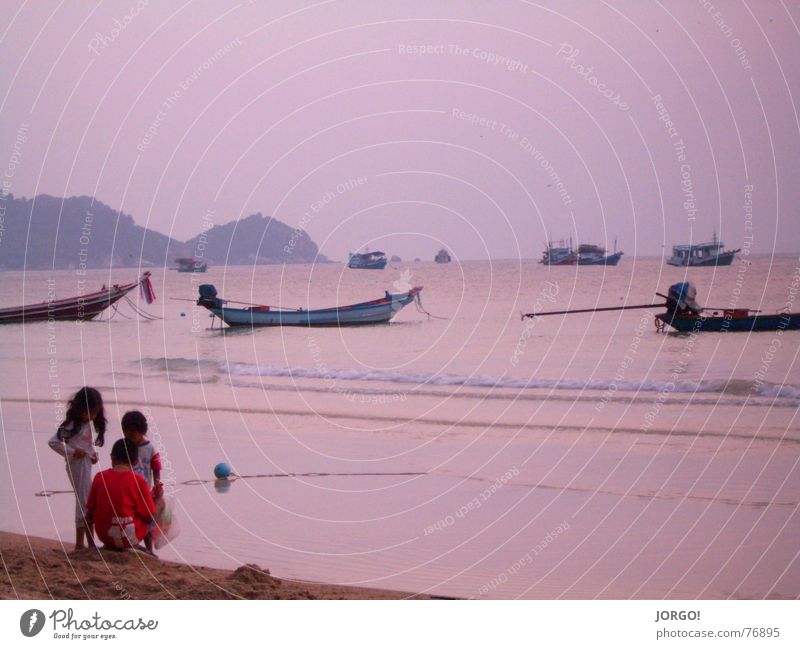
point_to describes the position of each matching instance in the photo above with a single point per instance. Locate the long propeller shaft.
(596, 310)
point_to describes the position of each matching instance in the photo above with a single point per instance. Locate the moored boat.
(702, 254)
(684, 314)
(373, 312)
(592, 255)
(367, 260)
(82, 307)
(559, 254)
(731, 320)
(191, 265)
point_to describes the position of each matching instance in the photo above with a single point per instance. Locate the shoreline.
(39, 568)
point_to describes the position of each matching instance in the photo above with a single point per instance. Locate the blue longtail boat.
(684, 314)
(374, 312)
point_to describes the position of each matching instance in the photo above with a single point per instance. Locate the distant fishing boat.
(374, 312)
(559, 253)
(442, 257)
(684, 314)
(82, 307)
(191, 265)
(702, 254)
(367, 260)
(592, 255)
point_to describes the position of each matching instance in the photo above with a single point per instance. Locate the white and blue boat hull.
(364, 313)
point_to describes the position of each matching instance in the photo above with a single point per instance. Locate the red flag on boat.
(146, 287)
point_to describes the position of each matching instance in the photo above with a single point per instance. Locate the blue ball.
(222, 471)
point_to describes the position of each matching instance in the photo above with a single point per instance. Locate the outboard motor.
(681, 299)
(208, 297)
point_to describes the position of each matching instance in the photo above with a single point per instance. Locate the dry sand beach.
(35, 568)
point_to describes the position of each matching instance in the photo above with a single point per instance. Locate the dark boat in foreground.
(83, 307)
(731, 320)
(373, 312)
(684, 314)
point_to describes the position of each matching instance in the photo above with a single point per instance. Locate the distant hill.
(82, 232)
(255, 239)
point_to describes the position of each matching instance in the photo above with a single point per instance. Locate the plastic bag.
(166, 527)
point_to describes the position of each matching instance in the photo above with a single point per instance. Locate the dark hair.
(135, 422)
(85, 400)
(124, 450)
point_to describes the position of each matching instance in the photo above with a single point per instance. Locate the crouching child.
(120, 505)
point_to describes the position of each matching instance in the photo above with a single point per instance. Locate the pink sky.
(328, 116)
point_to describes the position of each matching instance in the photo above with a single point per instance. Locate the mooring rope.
(46, 493)
(421, 309)
(138, 311)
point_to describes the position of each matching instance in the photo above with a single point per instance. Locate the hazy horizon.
(485, 129)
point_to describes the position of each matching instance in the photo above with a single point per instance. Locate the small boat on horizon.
(442, 257)
(191, 265)
(377, 311)
(592, 255)
(82, 307)
(561, 253)
(375, 260)
(702, 254)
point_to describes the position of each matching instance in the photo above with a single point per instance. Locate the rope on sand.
(311, 474)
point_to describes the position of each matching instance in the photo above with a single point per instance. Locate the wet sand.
(543, 513)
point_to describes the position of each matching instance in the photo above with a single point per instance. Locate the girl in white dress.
(73, 440)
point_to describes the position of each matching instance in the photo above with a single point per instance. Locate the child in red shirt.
(120, 505)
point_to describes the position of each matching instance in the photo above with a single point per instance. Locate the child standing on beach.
(73, 440)
(120, 505)
(134, 427)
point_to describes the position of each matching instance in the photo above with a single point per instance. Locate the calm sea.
(447, 453)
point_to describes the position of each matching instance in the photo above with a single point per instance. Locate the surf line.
(484, 425)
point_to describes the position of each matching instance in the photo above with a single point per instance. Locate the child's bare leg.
(90, 536)
(148, 542)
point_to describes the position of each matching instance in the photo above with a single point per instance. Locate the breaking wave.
(176, 367)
